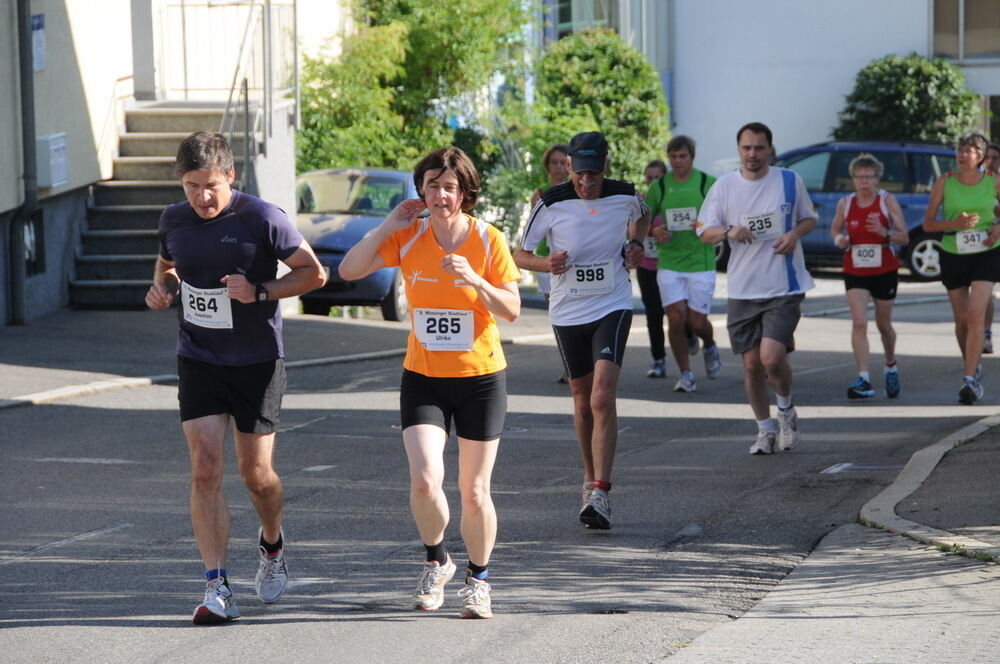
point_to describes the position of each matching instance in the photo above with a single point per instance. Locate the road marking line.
(316, 469)
(108, 462)
(63, 542)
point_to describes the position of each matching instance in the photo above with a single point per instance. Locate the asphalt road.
(98, 562)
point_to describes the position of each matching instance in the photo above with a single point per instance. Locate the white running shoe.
(713, 363)
(476, 599)
(596, 512)
(764, 443)
(971, 392)
(686, 382)
(218, 606)
(272, 573)
(788, 429)
(658, 369)
(429, 595)
(585, 494)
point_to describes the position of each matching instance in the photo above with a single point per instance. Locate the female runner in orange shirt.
(459, 274)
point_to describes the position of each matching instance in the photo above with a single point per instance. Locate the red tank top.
(866, 244)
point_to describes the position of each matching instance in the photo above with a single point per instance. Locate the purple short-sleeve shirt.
(249, 237)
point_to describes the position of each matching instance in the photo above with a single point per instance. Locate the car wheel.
(315, 307)
(394, 306)
(722, 256)
(923, 257)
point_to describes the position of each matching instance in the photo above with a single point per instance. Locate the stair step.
(138, 192)
(173, 119)
(159, 144)
(109, 294)
(120, 242)
(134, 267)
(124, 217)
(144, 168)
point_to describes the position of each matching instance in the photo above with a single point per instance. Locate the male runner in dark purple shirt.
(219, 254)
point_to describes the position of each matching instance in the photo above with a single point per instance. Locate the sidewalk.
(863, 595)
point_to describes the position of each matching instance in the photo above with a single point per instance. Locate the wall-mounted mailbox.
(53, 165)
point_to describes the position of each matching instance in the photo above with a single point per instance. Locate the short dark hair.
(678, 142)
(757, 128)
(976, 140)
(453, 159)
(203, 151)
(558, 147)
(656, 163)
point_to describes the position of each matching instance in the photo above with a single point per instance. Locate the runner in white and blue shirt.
(763, 212)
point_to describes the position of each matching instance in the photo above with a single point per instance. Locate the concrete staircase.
(114, 267)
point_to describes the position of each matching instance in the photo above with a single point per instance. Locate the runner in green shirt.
(686, 266)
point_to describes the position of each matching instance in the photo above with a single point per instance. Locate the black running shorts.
(583, 345)
(881, 286)
(251, 393)
(477, 404)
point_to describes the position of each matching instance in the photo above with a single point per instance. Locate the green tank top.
(958, 198)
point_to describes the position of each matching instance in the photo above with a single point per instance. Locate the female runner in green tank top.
(970, 262)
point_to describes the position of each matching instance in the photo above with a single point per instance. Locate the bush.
(909, 98)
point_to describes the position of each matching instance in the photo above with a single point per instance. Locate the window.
(811, 168)
(576, 15)
(927, 168)
(350, 192)
(893, 175)
(966, 29)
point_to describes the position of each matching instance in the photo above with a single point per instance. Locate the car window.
(927, 168)
(811, 167)
(350, 192)
(893, 175)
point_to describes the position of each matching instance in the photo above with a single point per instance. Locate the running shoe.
(658, 369)
(429, 595)
(713, 363)
(764, 443)
(892, 388)
(272, 573)
(686, 382)
(476, 599)
(218, 606)
(971, 392)
(692, 344)
(988, 342)
(788, 428)
(596, 513)
(585, 494)
(979, 373)
(862, 389)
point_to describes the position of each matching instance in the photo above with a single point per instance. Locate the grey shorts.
(775, 318)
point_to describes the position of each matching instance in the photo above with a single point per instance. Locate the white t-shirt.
(755, 271)
(592, 233)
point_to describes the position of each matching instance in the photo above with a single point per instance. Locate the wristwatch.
(634, 241)
(725, 233)
(261, 293)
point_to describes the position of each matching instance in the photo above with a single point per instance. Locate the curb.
(880, 511)
(96, 387)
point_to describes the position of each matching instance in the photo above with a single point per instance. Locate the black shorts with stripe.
(583, 345)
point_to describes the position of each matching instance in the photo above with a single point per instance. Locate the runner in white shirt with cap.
(594, 227)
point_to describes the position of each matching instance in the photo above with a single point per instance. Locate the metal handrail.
(239, 97)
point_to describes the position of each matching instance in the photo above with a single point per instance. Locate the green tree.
(908, 98)
(594, 72)
(407, 77)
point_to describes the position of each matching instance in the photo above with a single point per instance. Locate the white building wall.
(786, 63)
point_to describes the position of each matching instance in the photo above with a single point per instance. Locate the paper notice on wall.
(38, 41)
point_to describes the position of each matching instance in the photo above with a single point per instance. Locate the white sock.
(766, 424)
(892, 369)
(863, 375)
(784, 403)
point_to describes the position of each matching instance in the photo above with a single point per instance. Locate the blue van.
(910, 172)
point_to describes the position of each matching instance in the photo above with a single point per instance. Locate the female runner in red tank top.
(865, 224)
